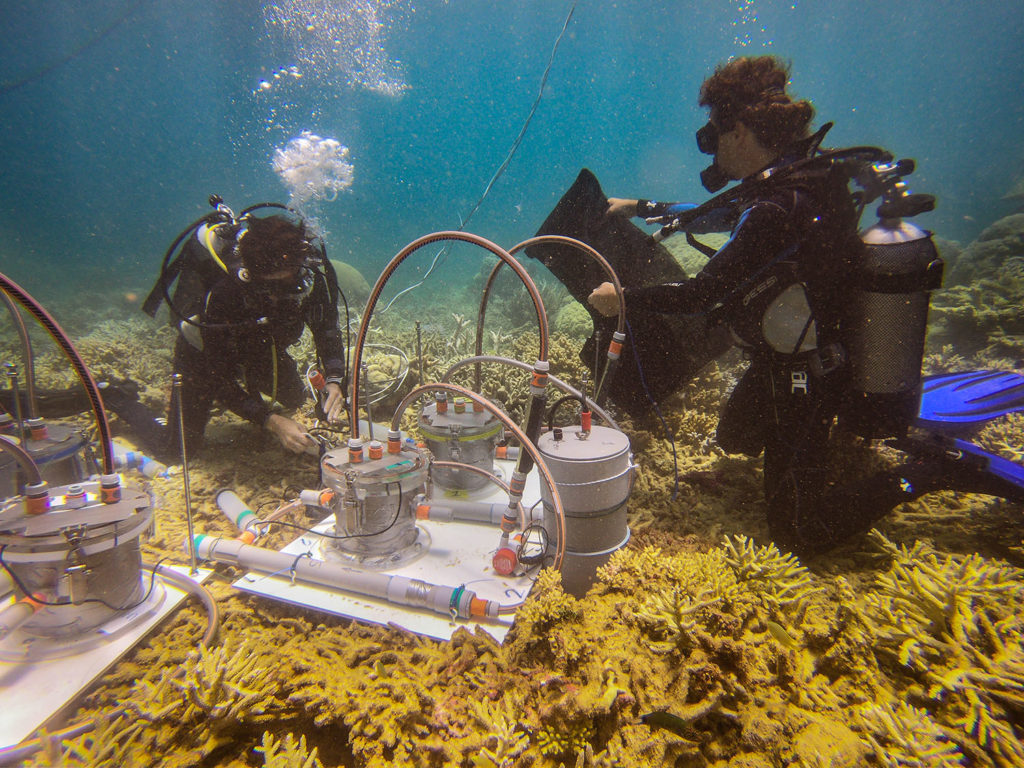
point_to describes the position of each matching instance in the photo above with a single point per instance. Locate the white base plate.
(460, 554)
(32, 691)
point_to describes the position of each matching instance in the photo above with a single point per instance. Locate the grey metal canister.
(593, 473)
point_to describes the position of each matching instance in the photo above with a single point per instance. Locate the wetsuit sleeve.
(322, 319)
(222, 353)
(761, 233)
(714, 220)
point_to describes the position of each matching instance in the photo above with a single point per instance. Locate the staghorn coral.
(956, 622)
(112, 743)
(903, 736)
(672, 610)
(778, 580)
(225, 683)
(287, 752)
(505, 741)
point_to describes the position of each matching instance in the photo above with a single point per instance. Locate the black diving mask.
(707, 139)
(294, 288)
(712, 178)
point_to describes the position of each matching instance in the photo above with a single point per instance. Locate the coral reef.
(989, 253)
(700, 644)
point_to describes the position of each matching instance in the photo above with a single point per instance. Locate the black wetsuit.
(245, 334)
(802, 230)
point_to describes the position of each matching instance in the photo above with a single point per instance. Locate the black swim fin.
(663, 351)
(953, 403)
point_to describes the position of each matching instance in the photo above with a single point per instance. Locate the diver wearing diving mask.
(781, 284)
(247, 289)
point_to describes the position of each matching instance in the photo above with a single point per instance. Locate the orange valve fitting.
(394, 441)
(37, 498)
(585, 418)
(316, 379)
(110, 489)
(376, 449)
(505, 561)
(441, 401)
(37, 429)
(355, 451)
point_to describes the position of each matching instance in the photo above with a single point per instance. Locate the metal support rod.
(12, 379)
(176, 395)
(419, 353)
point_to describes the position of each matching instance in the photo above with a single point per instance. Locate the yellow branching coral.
(956, 621)
(112, 743)
(287, 753)
(505, 741)
(904, 736)
(675, 611)
(779, 580)
(226, 683)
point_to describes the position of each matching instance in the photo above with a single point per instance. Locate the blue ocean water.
(120, 117)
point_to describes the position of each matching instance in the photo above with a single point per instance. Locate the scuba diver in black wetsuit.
(246, 288)
(783, 284)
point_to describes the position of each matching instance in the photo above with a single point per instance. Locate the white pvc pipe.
(399, 590)
(446, 510)
(236, 510)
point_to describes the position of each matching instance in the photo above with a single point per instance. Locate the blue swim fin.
(964, 466)
(995, 465)
(952, 402)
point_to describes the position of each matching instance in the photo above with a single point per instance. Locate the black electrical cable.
(25, 591)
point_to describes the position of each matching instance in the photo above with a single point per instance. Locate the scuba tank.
(887, 315)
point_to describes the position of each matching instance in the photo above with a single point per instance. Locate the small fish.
(666, 720)
(779, 633)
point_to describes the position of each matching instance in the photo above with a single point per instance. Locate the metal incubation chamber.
(593, 473)
(374, 505)
(79, 560)
(460, 432)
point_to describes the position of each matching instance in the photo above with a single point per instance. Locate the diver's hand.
(620, 206)
(334, 403)
(604, 300)
(290, 434)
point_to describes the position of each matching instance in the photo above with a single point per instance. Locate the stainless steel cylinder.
(594, 476)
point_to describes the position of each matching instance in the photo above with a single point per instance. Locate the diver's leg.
(148, 430)
(197, 397)
(741, 426)
(800, 412)
(281, 381)
(291, 388)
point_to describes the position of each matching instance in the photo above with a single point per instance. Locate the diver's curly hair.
(273, 243)
(753, 90)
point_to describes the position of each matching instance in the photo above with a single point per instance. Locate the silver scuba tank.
(884, 329)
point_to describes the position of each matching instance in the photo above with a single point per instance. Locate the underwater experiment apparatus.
(75, 591)
(400, 516)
